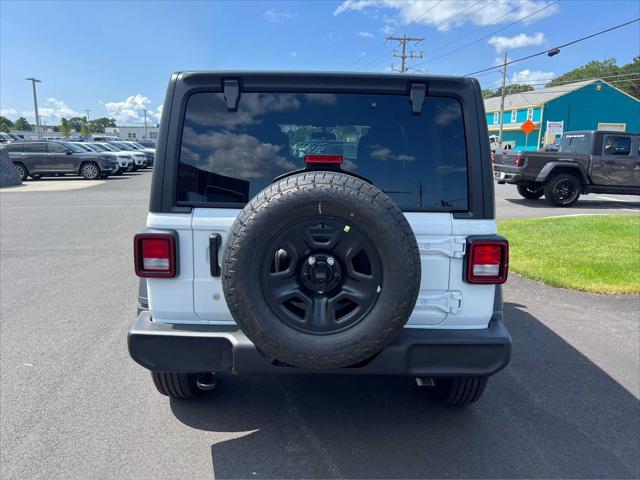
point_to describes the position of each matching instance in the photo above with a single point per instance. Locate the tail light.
(487, 261)
(155, 253)
(519, 161)
(493, 158)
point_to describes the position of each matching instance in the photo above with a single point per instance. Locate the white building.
(137, 132)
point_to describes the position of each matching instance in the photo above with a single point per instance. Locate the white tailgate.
(444, 301)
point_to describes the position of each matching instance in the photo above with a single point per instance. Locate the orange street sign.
(528, 127)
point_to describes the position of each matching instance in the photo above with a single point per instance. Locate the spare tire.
(321, 270)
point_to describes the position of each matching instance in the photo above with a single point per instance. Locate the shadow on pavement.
(552, 413)
(583, 204)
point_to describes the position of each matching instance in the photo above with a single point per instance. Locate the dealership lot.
(75, 406)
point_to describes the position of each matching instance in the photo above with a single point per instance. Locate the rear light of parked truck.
(487, 261)
(519, 161)
(155, 253)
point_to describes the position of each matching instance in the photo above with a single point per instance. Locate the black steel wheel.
(563, 190)
(321, 270)
(319, 278)
(530, 190)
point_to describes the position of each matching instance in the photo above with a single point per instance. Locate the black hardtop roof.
(320, 82)
(312, 74)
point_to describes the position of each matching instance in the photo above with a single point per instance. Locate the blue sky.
(115, 57)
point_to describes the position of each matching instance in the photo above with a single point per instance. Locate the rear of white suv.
(322, 223)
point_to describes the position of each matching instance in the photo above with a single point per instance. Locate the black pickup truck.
(586, 162)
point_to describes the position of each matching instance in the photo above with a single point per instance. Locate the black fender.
(550, 167)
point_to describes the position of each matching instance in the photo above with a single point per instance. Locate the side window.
(530, 114)
(56, 148)
(514, 115)
(617, 145)
(496, 117)
(34, 147)
(13, 147)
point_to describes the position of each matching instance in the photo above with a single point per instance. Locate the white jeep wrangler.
(330, 223)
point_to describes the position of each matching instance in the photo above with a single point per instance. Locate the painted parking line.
(52, 186)
(611, 199)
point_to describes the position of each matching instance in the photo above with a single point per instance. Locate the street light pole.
(145, 124)
(33, 81)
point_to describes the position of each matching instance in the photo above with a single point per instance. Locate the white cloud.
(366, 34)
(387, 29)
(278, 17)
(131, 110)
(51, 110)
(8, 112)
(355, 5)
(452, 13)
(532, 76)
(509, 43)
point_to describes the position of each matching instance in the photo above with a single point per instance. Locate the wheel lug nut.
(311, 260)
(331, 260)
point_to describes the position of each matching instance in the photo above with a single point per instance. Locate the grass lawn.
(595, 253)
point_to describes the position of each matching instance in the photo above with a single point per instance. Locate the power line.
(554, 48)
(467, 45)
(560, 90)
(481, 28)
(410, 23)
(438, 25)
(580, 79)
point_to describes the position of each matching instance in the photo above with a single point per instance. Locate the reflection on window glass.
(617, 145)
(418, 160)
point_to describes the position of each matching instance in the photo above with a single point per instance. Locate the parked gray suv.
(41, 159)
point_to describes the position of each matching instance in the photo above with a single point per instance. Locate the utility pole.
(404, 40)
(145, 124)
(88, 123)
(33, 81)
(502, 92)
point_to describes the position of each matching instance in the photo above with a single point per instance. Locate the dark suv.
(327, 223)
(42, 159)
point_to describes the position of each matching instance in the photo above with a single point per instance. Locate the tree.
(593, 69)
(509, 89)
(99, 124)
(84, 128)
(630, 83)
(75, 123)
(626, 78)
(5, 124)
(64, 127)
(23, 125)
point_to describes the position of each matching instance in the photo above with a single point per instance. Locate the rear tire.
(563, 190)
(460, 391)
(22, 171)
(530, 191)
(90, 171)
(176, 384)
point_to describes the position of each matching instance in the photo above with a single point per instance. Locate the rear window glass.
(575, 143)
(418, 160)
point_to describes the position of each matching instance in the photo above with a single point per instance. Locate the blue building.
(587, 105)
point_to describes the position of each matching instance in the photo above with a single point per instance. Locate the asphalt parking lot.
(73, 404)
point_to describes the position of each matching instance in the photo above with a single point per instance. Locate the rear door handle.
(215, 240)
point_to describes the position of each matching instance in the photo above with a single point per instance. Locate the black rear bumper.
(413, 352)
